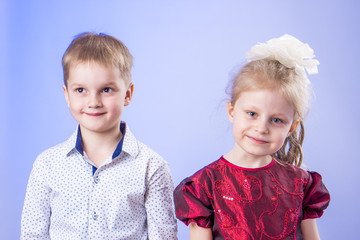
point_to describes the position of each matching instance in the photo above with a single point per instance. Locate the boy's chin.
(100, 129)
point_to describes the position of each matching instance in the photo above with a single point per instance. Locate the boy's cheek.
(74, 104)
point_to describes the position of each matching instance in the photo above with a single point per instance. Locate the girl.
(257, 190)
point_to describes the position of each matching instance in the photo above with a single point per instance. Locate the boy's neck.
(99, 146)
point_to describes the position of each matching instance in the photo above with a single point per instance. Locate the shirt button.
(96, 179)
(96, 216)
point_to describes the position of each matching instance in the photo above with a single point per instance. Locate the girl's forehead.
(271, 100)
(262, 93)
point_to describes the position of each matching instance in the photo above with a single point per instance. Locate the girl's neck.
(99, 146)
(240, 158)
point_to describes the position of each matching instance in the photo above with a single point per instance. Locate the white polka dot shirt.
(130, 196)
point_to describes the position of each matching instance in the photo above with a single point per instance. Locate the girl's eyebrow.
(255, 109)
(250, 107)
(281, 116)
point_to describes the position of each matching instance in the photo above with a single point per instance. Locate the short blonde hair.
(100, 48)
(269, 73)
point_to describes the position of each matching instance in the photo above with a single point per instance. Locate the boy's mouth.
(95, 114)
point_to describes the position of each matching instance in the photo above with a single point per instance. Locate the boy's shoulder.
(59, 150)
(145, 149)
(138, 155)
(138, 149)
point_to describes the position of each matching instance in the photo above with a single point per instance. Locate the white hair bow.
(289, 51)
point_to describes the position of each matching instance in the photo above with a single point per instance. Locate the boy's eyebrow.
(109, 82)
(75, 84)
(104, 84)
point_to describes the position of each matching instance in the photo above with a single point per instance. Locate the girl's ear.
(293, 127)
(66, 95)
(230, 111)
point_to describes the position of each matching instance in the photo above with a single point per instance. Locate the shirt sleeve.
(159, 203)
(316, 197)
(192, 204)
(35, 217)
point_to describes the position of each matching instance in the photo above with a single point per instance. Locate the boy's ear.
(66, 95)
(129, 94)
(293, 127)
(230, 111)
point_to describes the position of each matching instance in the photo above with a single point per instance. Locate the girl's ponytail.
(291, 151)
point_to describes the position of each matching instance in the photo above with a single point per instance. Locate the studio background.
(184, 53)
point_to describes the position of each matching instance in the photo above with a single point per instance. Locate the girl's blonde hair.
(270, 73)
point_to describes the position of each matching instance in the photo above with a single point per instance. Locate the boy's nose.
(94, 101)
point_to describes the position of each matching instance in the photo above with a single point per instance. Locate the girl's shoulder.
(310, 179)
(204, 175)
(208, 170)
(290, 169)
(315, 196)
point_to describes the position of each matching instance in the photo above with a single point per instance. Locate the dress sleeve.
(316, 197)
(192, 204)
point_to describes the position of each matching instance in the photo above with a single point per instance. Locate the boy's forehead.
(90, 67)
(90, 63)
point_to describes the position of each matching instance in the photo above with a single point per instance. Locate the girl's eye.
(251, 114)
(277, 120)
(80, 90)
(107, 90)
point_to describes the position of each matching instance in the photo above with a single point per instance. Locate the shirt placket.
(94, 211)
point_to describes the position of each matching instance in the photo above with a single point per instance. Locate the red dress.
(251, 204)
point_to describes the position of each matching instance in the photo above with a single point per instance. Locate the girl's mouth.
(256, 140)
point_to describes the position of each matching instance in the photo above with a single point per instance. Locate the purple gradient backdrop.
(184, 52)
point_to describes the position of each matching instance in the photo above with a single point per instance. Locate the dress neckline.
(247, 169)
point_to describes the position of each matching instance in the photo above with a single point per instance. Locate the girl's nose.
(262, 127)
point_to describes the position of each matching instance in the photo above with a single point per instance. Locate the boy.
(101, 183)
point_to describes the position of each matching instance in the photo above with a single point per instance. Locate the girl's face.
(262, 119)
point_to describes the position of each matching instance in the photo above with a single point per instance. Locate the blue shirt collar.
(80, 147)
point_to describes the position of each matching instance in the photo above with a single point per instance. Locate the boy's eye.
(80, 90)
(107, 89)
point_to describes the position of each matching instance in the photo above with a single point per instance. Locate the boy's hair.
(267, 73)
(100, 48)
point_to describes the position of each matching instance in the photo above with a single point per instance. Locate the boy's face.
(96, 96)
